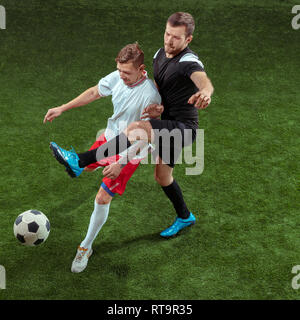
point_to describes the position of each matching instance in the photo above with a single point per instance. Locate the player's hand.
(52, 114)
(112, 171)
(153, 111)
(200, 100)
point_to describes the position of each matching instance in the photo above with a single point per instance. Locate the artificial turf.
(246, 201)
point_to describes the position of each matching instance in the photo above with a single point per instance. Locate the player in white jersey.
(132, 91)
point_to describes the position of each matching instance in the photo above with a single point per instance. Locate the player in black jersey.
(184, 88)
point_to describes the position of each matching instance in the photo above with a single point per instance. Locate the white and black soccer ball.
(32, 228)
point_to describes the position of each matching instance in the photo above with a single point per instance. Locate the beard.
(172, 50)
(169, 49)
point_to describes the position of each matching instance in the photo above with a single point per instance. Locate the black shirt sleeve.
(187, 68)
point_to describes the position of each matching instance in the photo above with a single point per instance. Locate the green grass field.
(247, 236)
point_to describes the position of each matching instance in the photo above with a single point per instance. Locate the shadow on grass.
(108, 246)
(153, 238)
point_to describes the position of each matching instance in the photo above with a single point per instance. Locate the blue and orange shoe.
(67, 158)
(178, 225)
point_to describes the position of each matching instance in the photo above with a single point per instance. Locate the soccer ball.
(31, 228)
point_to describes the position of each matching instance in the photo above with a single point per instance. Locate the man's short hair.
(131, 53)
(183, 19)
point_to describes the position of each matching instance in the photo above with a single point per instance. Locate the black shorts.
(170, 137)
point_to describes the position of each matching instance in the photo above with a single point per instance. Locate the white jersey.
(128, 101)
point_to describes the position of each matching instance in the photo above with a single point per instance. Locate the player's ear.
(189, 39)
(142, 67)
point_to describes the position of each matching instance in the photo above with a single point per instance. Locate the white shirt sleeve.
(154, 98)
(107, 83)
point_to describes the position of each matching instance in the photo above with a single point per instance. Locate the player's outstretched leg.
(67, 158)
(178, 225)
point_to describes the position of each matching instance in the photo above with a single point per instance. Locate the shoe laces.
(178, 221)
(71, 152)
(80, 253)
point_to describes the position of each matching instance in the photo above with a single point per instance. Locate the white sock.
(98, 218)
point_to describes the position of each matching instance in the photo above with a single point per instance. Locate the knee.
(163, 180)
(103, 197)
(133, 126)
(139, 130)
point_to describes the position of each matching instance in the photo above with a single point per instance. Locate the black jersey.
(172, 76)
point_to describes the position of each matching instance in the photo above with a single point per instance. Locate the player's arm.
(86, 97)
(153, 111)
(202, 98)
(113, 170)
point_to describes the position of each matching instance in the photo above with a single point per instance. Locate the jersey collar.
(139, 81)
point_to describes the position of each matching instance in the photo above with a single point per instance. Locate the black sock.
(87, 158)
(174, 193)
(111, 148)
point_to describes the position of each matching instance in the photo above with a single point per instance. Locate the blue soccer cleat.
(67, 158)
(178, 225)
